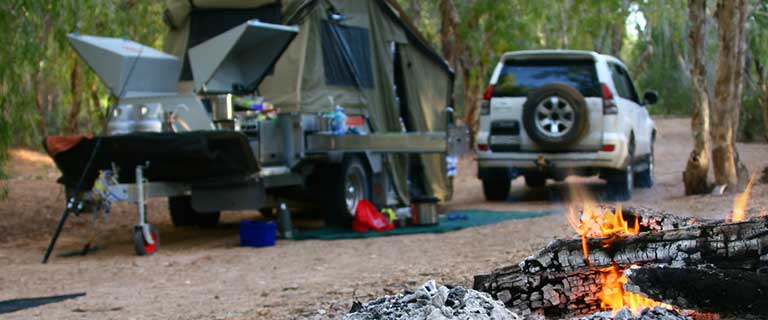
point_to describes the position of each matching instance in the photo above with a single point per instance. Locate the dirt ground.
(204, 274)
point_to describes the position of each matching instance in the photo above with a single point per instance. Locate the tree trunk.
(731, 18)
(564, 41)
(98, 120)
(644, 58)
(73, 118)
(41, 110)
(473, 85)
(449, 18)
(697, 169)
(617, 34)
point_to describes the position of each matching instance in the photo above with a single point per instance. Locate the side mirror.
(650, 98)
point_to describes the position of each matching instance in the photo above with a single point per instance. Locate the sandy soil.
(204, 274)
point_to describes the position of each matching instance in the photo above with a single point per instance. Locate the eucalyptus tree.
(731, 19)
(44, 88)
(697, 168)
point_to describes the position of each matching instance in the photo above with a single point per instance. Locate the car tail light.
(485, 105)
(483, 147)
(609, 147)
(609, 104)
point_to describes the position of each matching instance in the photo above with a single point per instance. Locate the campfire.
(627, 262)
(592, 221)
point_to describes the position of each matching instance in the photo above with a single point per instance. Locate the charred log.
(725, 292)
(656, 220)
(560, 281)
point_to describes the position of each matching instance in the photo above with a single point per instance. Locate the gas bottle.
(150, 118)
(122, 120)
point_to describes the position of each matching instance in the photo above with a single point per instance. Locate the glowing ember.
(740, 203)
(613, 297)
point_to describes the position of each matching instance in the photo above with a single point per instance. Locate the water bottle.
(284, 221)
(339, 122)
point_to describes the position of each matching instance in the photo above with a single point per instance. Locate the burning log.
(726, 292)
(656, 220)
(570, 277)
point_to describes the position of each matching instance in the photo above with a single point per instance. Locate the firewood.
(570, 282)
(726, 292)
(657, 220)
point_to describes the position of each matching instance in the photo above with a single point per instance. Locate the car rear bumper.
(615, 159)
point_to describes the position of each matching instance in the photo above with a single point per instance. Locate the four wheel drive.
(554, 113)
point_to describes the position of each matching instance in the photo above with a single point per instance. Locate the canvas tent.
(362, 54)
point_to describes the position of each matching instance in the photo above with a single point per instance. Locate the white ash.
(431, 302)
(657, 313)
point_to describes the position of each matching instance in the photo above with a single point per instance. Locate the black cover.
(197, 158)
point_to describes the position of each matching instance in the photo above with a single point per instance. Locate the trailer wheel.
(182, 213)
(140, 243)
(349, 187)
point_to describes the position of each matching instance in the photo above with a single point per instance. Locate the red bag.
(367, 217)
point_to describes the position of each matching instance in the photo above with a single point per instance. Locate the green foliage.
(37, 66)
(752, 127)
(665, 69)
(750, 122)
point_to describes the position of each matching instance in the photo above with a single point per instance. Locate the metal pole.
(63, 219)
(142, 205)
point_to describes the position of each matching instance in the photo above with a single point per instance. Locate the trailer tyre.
(349, 186)
(645, 179)
(140, 243)
(182, 214)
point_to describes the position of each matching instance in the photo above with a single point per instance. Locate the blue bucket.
(257, 233)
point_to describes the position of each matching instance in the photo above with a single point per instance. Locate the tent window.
(347, 56)
(208, 23)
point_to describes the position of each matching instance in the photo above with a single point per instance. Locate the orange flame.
(594, 222)
(740, 203)
(613, 297)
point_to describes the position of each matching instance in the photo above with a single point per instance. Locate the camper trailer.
(253, 104)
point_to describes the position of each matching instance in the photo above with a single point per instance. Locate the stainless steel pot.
(424, 211)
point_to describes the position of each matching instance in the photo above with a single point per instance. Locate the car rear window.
(517, 78)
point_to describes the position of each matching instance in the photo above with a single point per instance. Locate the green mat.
(474, 218)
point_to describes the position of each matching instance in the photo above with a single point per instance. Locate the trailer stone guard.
(254, 133)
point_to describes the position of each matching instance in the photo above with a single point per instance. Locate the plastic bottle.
(339, 122)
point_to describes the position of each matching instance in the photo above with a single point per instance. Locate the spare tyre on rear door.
(555, 116)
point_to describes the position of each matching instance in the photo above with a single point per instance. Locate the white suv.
(554, 113)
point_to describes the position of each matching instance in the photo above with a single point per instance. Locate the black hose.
(71, 203)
